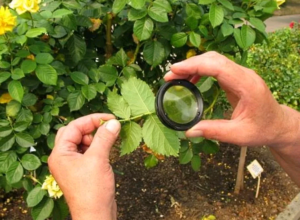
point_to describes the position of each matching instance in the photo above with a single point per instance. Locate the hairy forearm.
(287, 150)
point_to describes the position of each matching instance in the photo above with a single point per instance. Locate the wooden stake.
(239, 185)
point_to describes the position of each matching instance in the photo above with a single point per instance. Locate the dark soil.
(172, 191)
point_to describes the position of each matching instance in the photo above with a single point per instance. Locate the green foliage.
(277, 62)
(73, 58)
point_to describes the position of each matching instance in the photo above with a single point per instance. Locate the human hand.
(257, 118)
(79, 163)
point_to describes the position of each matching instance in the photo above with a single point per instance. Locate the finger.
(72, 135)
(87, 139)
(221, 130)
(59, 132)
(212, 64)
(104, 139)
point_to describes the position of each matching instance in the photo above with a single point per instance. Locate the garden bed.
(172, 191)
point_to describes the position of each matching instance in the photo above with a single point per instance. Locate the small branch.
(33, 179)
(109, 47)
(213, 103)
(239, 185)
(136, 117)
(137, 49)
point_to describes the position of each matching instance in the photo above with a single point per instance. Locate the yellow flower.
(279, 2)
(53, 188)
(96, 24)
(25, 5)
(7, 20)
(50, 97)
(5, 98)
(190, 53)
(30, 57)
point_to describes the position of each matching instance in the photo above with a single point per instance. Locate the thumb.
(104, 139)
(220, 130)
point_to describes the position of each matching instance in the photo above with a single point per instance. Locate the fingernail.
(113, 126)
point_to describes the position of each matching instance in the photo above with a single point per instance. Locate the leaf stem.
(213, 103)
(136, 117)
(109, 48)
(32, 22)
(33, 179)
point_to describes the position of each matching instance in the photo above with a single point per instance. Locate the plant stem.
(32, 22)
(33, 179)
(137, 49)
(136, 117)
(213, 103)
(109, 48)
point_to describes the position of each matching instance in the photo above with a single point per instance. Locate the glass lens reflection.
(180, 104)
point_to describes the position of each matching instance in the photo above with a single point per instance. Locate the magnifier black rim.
(162, 114)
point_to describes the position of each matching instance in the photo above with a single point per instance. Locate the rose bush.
(60, 60)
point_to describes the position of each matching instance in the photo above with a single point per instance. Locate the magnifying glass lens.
(180, 104)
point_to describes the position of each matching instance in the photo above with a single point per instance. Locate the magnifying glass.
(179, 105)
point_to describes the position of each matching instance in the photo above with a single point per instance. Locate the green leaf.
(118, 105)
(258, 24)
(24, 139)
(118, 6)
(193, 10)
(196, 162)
(14, 173)
(119, 59)
(77, 48)
(210, 147)
(30, 162)
(44, 128)
(89, 92)
(17, 74)
(13, 108)
(44, 58)
(7, 142)
(16, 90)
(137, 4)
(100, 87)
(164, 4)
(154, 53)
(61, 210)
(50, 140)
(80, 78)
(94, 74)
(75, 100)
(43, 210)
(35, 196)
(6, 159)
(195, 39)
(46, 74)
(226, 29)
(20, 126)
(59, 13)
(35, 32)
(179, 39)
(108, 74)
(4, 76)
(158, 14)
(4, 64)
(28, 66)
(29, 99)
(216, 15)
(186, 156)
(139, 97)
(131, 135)
(150, 161)
(135, 14)
(206, 2)
(205, 84)
(159, 138)
(245, 36)
(21, 40)
(5, 131)
(143, 28)
(227, 4)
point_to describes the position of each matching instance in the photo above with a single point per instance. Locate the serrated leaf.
(163, 4)
(159, 138)
(205, 84)
(226, 29)
(179, 39)
(158, 14)
(29, 99)
(35, 196)
(196, 162)
(118, 105)
(44, 128)
(16, 90)
(154, 53)
(50, 140)
(210, 147)
(6, 159)
(131, 135)
(143, 28)
(118, 6)
(35, 32)
(89, 92)
(150, 161)
(14, 172)
(258, 24)
(227, 4)
(59, 13)
(77, 48)
(108, 74)
(44, 58)
(248, 35)
(206, 2)
(4, 76)
(139, 96)
(13, 108)
(7, 142)
(43, 210)
(137, 4)
(30, 162)
(28, 66)
(5, 131)
(193, 10)
(216, 15)
(24, 139)
(17, 74)
(46, 74)
(119, 59)
(135, 14)
(21, 126)
(75, 100)
(79, 78)
(195, 39)
(185, 156)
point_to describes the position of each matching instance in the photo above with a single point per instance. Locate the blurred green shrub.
(278, 63)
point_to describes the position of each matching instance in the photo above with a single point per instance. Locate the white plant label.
(255, 169)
